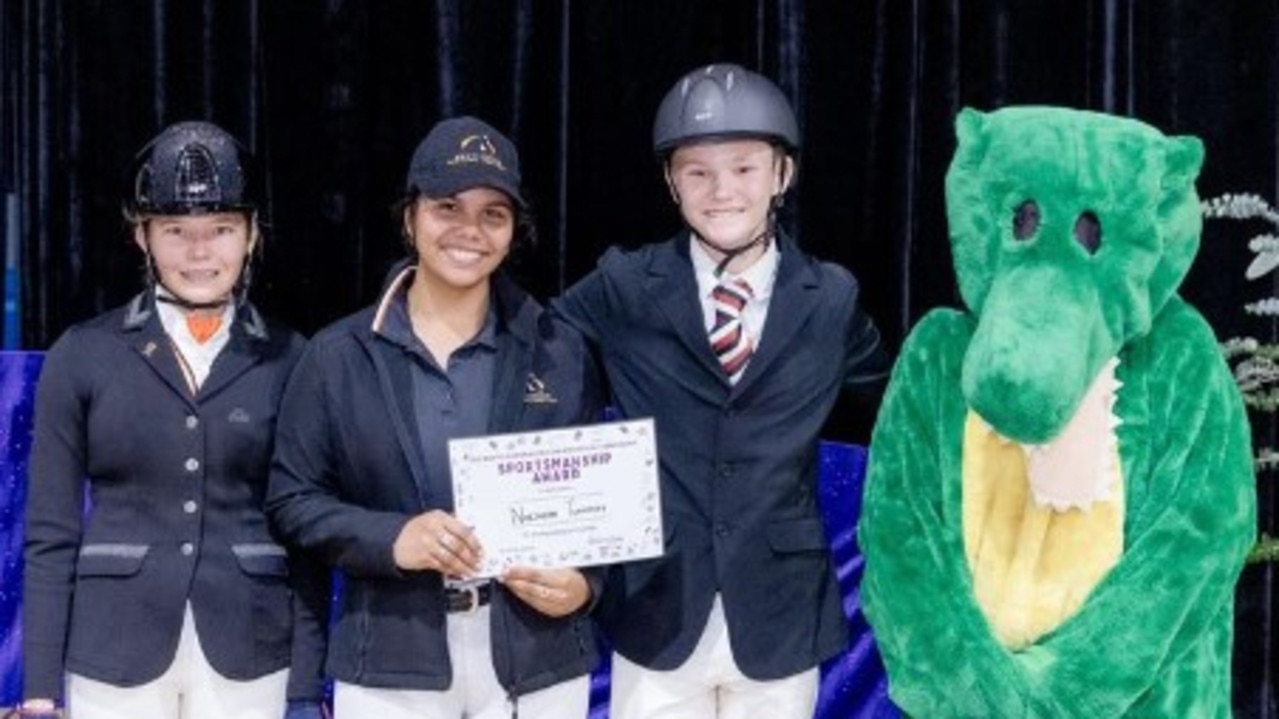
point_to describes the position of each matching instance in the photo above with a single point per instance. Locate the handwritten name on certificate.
(569, 497)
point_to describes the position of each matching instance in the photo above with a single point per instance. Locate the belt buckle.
(473, 593)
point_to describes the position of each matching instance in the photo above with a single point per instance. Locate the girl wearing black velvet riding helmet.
(168, 596)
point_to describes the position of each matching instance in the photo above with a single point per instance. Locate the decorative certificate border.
(570, 497)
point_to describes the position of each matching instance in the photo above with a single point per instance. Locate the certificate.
(570, 497)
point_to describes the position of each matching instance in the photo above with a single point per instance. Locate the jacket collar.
(516, 310)
(141, 308)
(143, 327)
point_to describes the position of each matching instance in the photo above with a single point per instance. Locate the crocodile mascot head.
(1060, 492)
(1071, 230)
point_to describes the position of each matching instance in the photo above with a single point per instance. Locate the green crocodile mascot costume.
(1061, 495)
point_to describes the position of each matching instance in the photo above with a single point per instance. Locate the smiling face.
(461, 240)
(725, 189)
(198, 258)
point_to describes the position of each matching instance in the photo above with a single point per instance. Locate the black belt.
(467, 599)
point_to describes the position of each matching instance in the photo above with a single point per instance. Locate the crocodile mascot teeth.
(1060, 495)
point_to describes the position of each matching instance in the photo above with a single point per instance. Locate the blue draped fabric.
(18, 373)
(853, 686)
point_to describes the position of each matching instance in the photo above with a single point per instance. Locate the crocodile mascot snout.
(1061, 495)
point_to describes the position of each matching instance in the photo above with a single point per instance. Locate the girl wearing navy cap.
(452, 348)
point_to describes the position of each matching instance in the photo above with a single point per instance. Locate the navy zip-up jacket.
(348, 474)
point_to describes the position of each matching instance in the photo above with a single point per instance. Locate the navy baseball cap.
(463, 153)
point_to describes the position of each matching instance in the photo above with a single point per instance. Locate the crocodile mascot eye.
(1026, 220)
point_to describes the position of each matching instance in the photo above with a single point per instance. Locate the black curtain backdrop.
(332, 96)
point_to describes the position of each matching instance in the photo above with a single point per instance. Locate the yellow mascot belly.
(1032, 565)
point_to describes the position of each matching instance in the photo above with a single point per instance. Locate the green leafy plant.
(1255, 362)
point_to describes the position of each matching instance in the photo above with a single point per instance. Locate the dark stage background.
(332, 96)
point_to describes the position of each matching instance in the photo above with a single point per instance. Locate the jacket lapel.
(395, 383)
(673, 287)
(242, 351)
(795, 296)
(141, 328)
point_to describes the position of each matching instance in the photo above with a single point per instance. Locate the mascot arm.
(917, 590)
(1191, 522)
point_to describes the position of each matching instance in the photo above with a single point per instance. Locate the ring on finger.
(446, 540)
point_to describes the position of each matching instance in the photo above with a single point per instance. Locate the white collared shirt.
(196, 357)
(760, 276)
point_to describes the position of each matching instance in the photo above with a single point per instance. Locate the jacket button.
(192, 421)
(192, 464)
(188, 549)
(190, 506)
(721, 530)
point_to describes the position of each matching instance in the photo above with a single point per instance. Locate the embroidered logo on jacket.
(238, 416)
(535, 391)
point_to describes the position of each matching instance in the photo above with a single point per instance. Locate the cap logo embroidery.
(476, 148)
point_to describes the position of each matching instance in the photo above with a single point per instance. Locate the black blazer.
(176, 486)
(738, 466)
(349, 474)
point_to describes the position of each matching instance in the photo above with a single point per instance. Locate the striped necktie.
(728, 338)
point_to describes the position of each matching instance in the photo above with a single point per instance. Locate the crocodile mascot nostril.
(1061, 493)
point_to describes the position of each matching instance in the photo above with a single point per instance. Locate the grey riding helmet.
(192, 168)
(724, 101)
